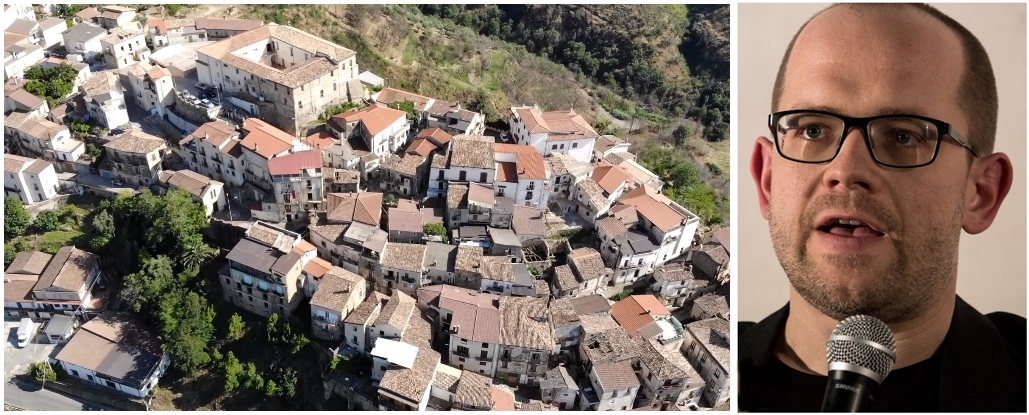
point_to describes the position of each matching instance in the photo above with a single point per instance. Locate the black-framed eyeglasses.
(896, 140)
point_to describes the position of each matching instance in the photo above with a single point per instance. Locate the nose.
(853, 168)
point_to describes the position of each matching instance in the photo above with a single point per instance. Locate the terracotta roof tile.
(376, 118)
(292, 164)
(136, 142)
(610, 178)
(408, 165)
(472, 151)
(616, 375)
(412, 383)
(390, 95)
(335, 289)
(363, 207)
(190, 181)
(637, 311)
(224, 23)
(436, 135)
(316, 267)
(530, 161)
(421, 147)
(264, 139)
(588, 264)
(650, 206)
(404, 221)
(29, 262)
(403, 256)
(564, 279)
(218, 133)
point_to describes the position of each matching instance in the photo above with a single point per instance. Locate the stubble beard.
(897, 291)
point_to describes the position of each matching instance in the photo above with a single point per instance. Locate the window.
(482, 354)
(575, 145)
(75, 373)
(440, 175)
(323, 93)
(528, 195)
(462, 176)
(553, 147)
(562, 146)
(482, 177)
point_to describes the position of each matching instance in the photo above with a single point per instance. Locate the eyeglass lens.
(898, 141)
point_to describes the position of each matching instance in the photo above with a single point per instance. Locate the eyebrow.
(887, 110)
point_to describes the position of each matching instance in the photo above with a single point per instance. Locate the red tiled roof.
(317, 267)
(637, 311)
(507, 172)
(375, 118)
(610, 178)
(391, 95)
(653, 208)
(320, 140)
(530, 161)
(294, 163)
(264, 139)
(421, 147)
(437, 135)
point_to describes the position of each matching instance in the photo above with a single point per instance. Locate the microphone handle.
(848, 392)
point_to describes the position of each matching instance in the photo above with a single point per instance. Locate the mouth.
(850, 227)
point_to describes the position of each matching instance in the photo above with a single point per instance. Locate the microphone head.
(862, 344)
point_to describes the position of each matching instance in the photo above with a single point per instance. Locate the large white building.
(105, 99)
(706, 346)
(553, 132)
(282, 74)
(214, 150)
(152, 87)
(513, 171)
(84, 39)
(384, 130)
(123, 47)
(29, 180)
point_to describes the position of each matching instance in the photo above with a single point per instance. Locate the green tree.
(187, 322)
(42, 372)
(252, 378)
(406, 106)
(194, 252)
(172, 9)
(79, 129)
(16, 218)
(46, 221)
(103, 230)
(681, 133)
(289, 382)
(437, 229)
(236, 327)
(233, 369)
(273, 327)
(144, 289)
(270, 388)
(9, 254)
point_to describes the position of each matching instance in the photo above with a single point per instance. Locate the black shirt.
(981, 367)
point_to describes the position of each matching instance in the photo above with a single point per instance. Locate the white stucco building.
(551, 132)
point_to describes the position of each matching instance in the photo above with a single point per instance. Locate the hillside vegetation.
(656, 74)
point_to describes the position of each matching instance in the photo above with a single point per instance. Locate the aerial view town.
(362, 207)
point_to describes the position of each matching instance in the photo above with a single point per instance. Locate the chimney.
(257, 147)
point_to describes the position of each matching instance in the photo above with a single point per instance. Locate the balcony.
(515, 357)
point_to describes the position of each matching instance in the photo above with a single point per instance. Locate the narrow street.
(30, 397)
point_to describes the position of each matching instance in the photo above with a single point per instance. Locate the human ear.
(988, 185)
(761, 171)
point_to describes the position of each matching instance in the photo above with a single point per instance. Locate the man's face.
(902, 255)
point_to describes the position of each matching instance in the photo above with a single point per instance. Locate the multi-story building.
(39, 285)
(566, 173)
(553, 132)
(402, 268)
(440, 262)
(407, 387)
(589, 270)
(124, 47)
(14, 12)
(507, 338)
(521, 175)
(641, 176)
(609, 144)
(709, 305)
(112, 17)
(135, 158)
(282, 74)
(403, 175)
(20, 52)
(42, 138)
(644, 316)
(339, 293)
(675, 283)
(707, 347)
(262, 142)
(594, 195)
(607, 357)
(209, 193)
(151, 87)
(165, 32)
(394, 319)
(383, 130)
(712, 261)
(84, 39)
(51, 29)
(650, 230)
(454, 119)
(357, 322)
(666, 377)
(215, 151)
(297, 182)
(21, 101)
(559, 389)
(405, 223)
(263, 274)
(566, 318)
(348, 232)
(105, 99)
(513, 171)
(30, 180)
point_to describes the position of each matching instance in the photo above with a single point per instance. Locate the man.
(879, 153)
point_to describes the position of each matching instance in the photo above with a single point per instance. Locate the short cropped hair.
(978, 88)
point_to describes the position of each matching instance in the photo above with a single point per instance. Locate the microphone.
(861, 352)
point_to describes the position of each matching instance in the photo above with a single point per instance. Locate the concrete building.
(553, 132)
(648, 230)
(676, 283)
(29, 180)
(707, 349)
(403, 175)
(348, 232)
(513, 171)
(84, 39)
(215, 151)
(283, 75)
(210, 193)
(39, 285)
(263, 273)
(20, 54)
(105, 100)
(609, 144)
(565, 173)
(406, 385)
(151, 87)
(42, 138)
(51, 31)
(589, 271)
(339, 293)
(297, 182)
(21, 102)
(135, 158)
(165, 32)
(357, 323)
(115, 350)
(112, 17)
(566, 316)
(383, 130)
(594, 195)
(559, 389)
(607, 357)
(123, 47)
(402, 268)
(261, 142)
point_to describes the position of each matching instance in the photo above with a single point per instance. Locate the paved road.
(30, 397)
